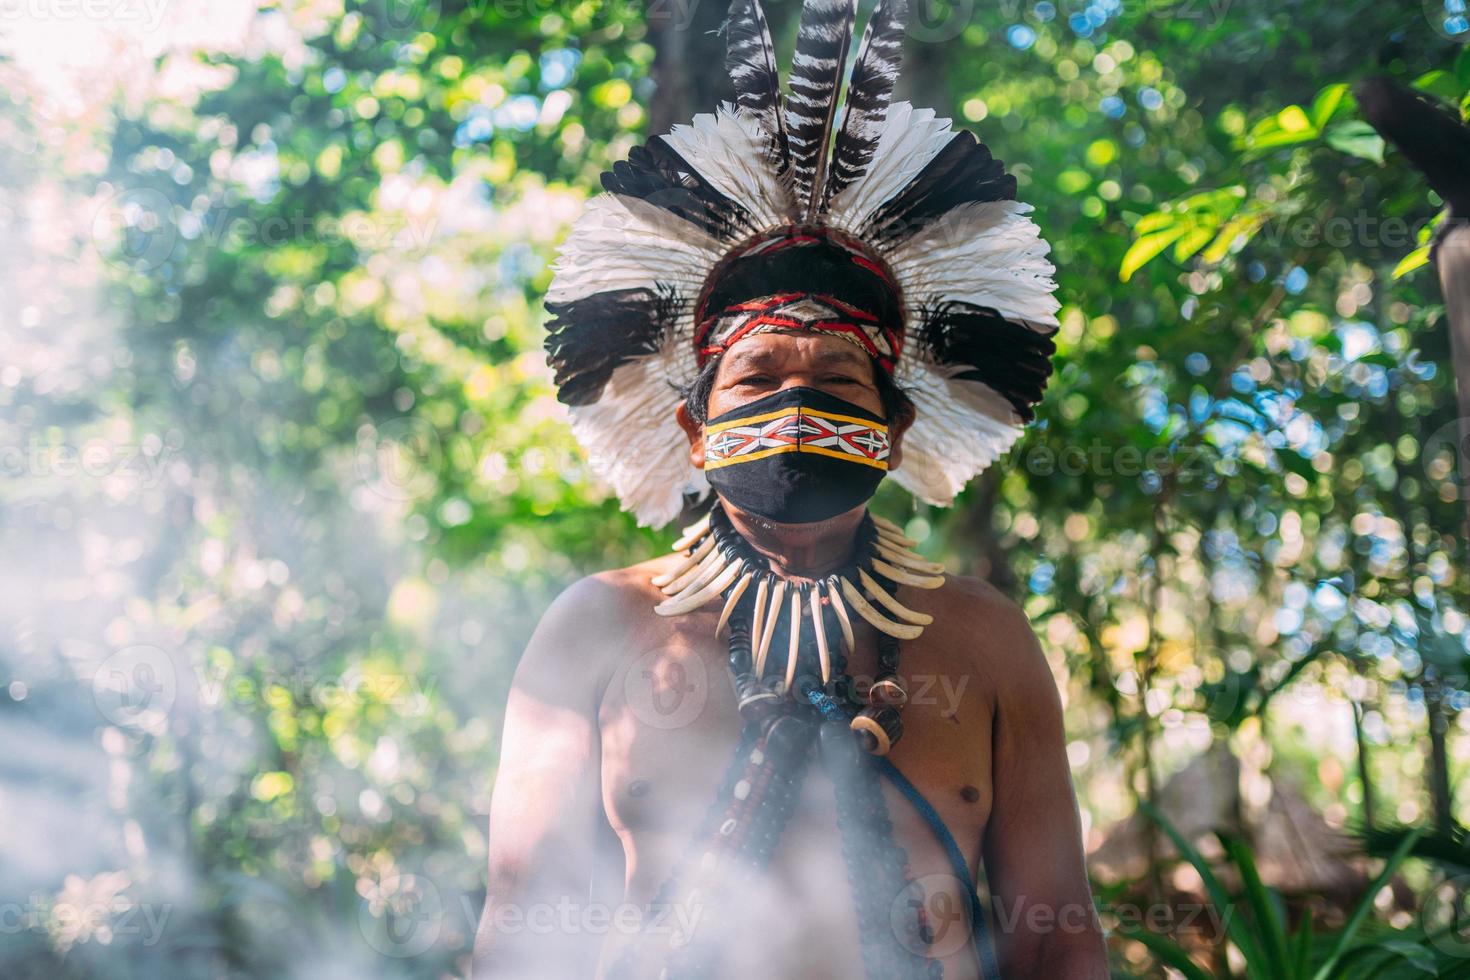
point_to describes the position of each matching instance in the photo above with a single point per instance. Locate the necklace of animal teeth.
(718, 563)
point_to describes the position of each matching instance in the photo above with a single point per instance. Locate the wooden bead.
(878, 728)
(889, 691)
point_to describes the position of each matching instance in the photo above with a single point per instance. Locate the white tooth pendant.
(890, 603)
(713, 568)
(666, 581)
(773, 615)
(693, 533)
(823, 654)
(880, 622)
(703, 596)
(843, 620)
(907, 559)
(732, 601)
(906, 577)
(793, 648)
(891, 530)
(757, 622)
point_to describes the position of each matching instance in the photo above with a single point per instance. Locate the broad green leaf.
(1414, 260)
(1146, 248)
(1328, 101)
(1293, 120)
(1440, 83)
(1242, 226)
(1192, 241)
(1356, 138)
(1157, 221)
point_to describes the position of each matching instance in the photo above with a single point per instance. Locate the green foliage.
(1256, 926)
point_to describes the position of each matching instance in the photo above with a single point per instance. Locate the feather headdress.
(879, 223)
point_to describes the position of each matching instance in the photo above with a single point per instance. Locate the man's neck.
(800, 550)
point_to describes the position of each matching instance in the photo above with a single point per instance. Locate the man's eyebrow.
(833, 357)
(750, 358)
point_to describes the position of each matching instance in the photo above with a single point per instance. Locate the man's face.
(769, 362)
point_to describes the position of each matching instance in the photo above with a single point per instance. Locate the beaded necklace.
(793, 708)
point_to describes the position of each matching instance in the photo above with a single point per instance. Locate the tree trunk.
(1439, 765)
(1364, 774)
(688, 63)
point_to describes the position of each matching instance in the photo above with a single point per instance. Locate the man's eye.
(754, 379)
(839, 379)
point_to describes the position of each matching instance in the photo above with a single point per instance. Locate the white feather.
(961, 428)
(909, 139)
(633, 440)
(989, 254)
(729, 149)
(623, 242)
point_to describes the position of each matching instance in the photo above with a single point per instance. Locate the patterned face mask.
(796, 456)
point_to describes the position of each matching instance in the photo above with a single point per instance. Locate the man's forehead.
(777, 349)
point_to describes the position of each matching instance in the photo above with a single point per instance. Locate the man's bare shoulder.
(989, 631)
(595, 623)
(619, 598)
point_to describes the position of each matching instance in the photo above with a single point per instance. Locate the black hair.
(895, 400)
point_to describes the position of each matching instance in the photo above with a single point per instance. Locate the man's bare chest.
(670, 728)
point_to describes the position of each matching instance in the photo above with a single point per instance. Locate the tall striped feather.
(868, 94)
(750, 59)
(816, 76)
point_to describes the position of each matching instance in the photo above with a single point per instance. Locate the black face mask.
(796, 456)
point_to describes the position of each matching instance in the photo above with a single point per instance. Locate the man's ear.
(695, 431)
(896, 429)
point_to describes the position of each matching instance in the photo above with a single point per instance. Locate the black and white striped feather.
(656, 173)
(750, 58)
(868, 94)
(816, 77)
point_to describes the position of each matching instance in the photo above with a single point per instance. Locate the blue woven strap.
(981, 935)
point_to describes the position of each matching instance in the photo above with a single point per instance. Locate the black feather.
(961, 173)
(1009, 357)
(750, 58)
(587, 339)
(656, 173)
(868, 95)
(816, 76)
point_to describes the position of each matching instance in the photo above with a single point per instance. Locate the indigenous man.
(792, 747)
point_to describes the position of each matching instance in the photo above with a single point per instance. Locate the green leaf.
(1234, 925)
(1263, 906)
(1242, 226)
(1355, 922)
(1440, 83)
(1356, 138)
(1192, 241)
(1146, 248)
(1167, 951)
(1418, 257)
(1157, 221)
(1328, 101)
(1302, 958)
